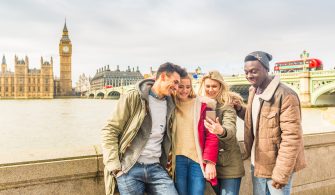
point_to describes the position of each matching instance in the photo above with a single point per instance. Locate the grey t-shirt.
(153, 148)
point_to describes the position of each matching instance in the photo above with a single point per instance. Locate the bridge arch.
(91, 95)
(114, 95)
(100, 95)
(321, 91)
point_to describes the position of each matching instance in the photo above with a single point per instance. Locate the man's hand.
(237, 105)
(210, 171)
(277, 185)
(116, 173)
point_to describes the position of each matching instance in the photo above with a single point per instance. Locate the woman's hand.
(210, 171)
(214, 126)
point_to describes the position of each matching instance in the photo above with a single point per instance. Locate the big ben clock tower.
(65, 53)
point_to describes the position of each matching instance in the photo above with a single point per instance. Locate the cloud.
(211, 33)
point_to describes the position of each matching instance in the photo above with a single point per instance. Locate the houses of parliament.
(25, 83)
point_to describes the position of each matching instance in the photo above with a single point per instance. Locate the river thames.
(28, 125)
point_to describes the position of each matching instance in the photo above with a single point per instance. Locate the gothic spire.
(65, 28)
(65, 36)
(3, 60)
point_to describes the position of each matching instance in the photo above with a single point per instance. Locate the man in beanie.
(272, 128)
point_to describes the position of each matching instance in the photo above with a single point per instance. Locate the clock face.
(65, 49)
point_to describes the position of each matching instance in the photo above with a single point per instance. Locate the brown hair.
(170, 68)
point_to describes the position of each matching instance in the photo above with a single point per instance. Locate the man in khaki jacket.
(137, 140)
(272, 130)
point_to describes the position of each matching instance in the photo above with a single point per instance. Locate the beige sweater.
(185, 144)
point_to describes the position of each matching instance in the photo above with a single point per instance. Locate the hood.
(143, 87)
(210, 102)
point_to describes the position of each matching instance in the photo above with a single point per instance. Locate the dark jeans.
(149, 178)
(189, 177)
(228, 186)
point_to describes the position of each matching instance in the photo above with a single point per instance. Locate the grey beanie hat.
(261, 56)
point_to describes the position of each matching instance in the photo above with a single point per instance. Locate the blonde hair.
(224, 96)
(192, 93)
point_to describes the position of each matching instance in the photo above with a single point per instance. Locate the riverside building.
(26, 83)
(106, 78)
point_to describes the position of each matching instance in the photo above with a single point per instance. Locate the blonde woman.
(229, 166)
(195, 149)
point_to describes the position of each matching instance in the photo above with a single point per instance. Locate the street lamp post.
(304, 57)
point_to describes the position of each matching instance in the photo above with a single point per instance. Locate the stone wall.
(80, 171)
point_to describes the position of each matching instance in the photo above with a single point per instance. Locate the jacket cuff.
(279, 177)
(111, 167)
(209, 161)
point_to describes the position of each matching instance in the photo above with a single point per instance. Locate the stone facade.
(105, 78)
(65, 54)
(83, 84)
(26, 83)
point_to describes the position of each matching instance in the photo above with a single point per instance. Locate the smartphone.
(211, 115)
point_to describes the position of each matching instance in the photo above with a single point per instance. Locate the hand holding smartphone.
(211, 114)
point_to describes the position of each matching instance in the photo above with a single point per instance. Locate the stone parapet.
(80, 171)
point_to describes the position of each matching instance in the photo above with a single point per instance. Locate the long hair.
(224, 96)
(191, 95)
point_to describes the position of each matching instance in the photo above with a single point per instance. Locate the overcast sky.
(212, 34)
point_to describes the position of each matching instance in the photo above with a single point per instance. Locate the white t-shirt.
(254, 115)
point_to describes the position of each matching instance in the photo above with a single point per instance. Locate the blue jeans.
(189, 177)
(149, 178)
(228, 186)
(263, 186)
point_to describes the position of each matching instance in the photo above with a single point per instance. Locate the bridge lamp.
(304, 57)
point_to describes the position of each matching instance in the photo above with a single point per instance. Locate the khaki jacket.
(279, 143)
(230, 163)
(130, 127)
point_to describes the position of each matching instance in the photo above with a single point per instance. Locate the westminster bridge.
(313, 88)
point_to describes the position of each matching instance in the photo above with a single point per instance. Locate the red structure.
(298, 65)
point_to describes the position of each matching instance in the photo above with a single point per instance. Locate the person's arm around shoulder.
(291, 138)
(240, 109)
(228, 123)
(110, 133)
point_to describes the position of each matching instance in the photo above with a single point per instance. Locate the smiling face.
(184, 89)
(212, 88)
(255, 73)
(169, 83)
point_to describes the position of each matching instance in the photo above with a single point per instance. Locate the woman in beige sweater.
(195, 149)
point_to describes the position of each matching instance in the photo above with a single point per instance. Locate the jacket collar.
(270, 89)
(144, 86)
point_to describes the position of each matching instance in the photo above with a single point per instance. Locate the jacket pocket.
(224, 157)
(270, 119)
